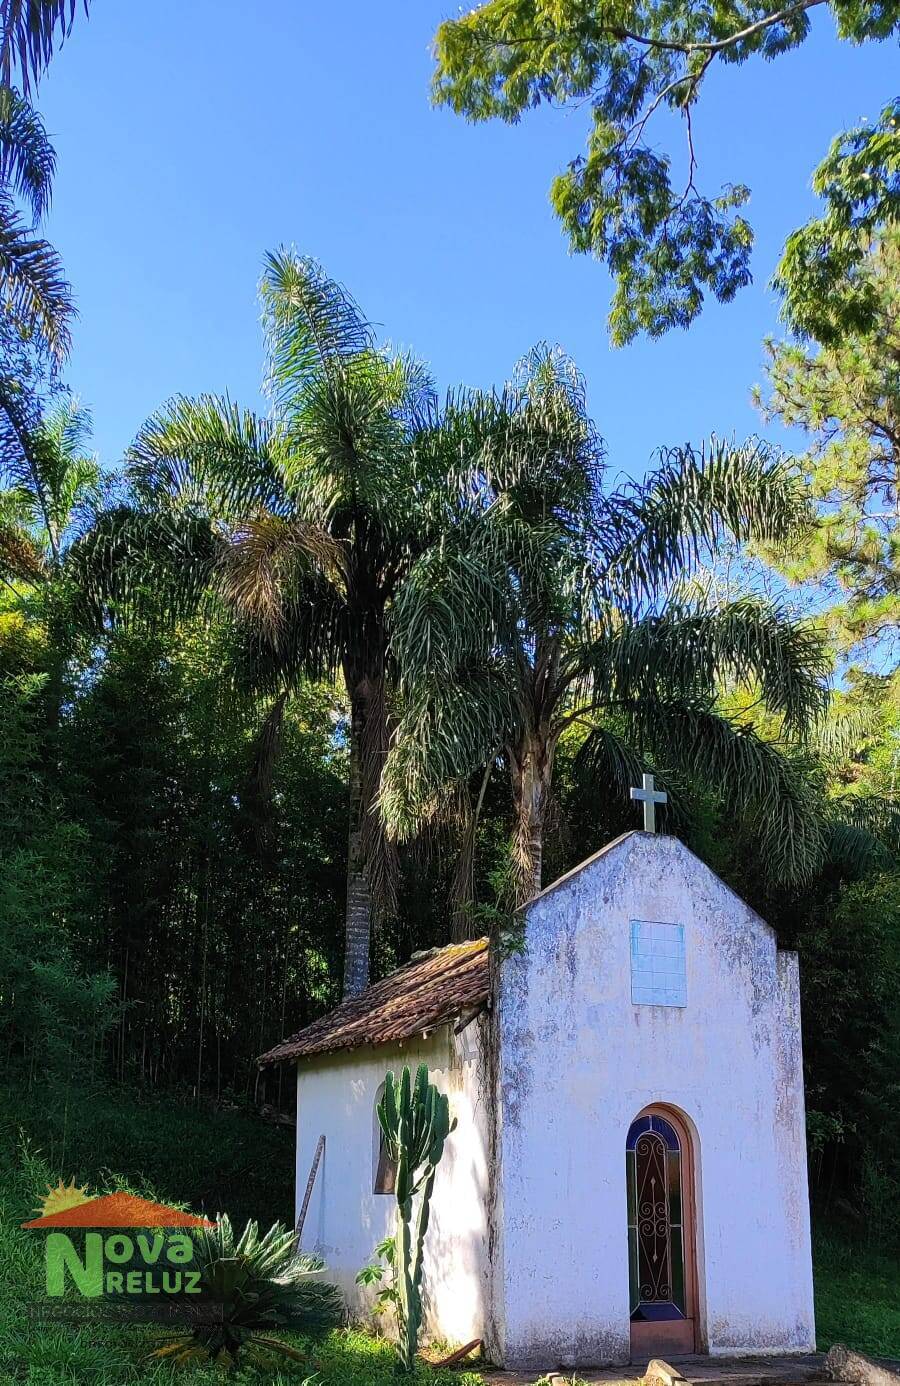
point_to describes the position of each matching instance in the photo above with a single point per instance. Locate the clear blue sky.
(192, 136)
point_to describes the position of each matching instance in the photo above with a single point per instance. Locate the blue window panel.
(652, 1123)
(658, 968)
(667, 1131)
(636, 1129)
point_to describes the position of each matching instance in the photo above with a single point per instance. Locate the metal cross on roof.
(650, 797)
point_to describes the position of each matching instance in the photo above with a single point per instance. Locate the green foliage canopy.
(830, 288)
(666, 241)
(842, 389)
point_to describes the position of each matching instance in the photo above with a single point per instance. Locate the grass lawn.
(214, 1162)
(234, 1163)
(116, 1358)
(857, 1296)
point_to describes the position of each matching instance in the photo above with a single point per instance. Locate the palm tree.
(305, 524)
(51, 489)
(555, 601)
(29, 32)
(50, 485)
(33, 288)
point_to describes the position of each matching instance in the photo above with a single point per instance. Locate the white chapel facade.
(627, 1177)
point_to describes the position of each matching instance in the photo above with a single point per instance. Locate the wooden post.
(304, 1206)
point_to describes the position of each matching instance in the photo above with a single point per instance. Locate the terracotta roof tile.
(429, 991)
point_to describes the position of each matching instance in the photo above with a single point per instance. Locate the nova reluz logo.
(160, 1259)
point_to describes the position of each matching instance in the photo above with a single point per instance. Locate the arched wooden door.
(659, 1170)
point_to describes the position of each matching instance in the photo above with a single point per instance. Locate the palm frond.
(613, 761)
(264, 560)
(311, 640)
(690, 652)
(22, 459)
(450, 610)
(70, 477)
(33, 287)
(312, 324)
(771, 794)
(43, 458)
(132, 566)
(845, 731)
(751, 489)
(30, 30)
(259, 1282)
(209, 453)
(68, 424)
(533, 444)
(445, 735)
(346, 443)
(692, 499)
(873, 814)
(20, 558)
(27, 158)
(853, 850)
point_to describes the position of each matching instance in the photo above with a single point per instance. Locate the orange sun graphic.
(62, 1197)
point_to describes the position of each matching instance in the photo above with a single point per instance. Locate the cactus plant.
(415, 1121)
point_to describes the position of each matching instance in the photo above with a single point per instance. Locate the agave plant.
(251, 1285)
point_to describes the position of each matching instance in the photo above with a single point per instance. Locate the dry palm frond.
(260, 564)
(20, 557)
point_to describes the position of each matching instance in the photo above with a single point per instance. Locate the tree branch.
(710, 46)
(719, 45)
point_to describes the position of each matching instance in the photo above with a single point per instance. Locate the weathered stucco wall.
(336, 1096)
(578, 1061)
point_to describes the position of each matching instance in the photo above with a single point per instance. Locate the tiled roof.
(429, 991)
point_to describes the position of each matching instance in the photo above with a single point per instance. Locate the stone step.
(796, 1369)
(694, 1371)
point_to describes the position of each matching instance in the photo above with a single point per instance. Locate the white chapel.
(627, 1177)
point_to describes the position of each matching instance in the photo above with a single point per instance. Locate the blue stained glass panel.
(666, 1130)
(637, 1128)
